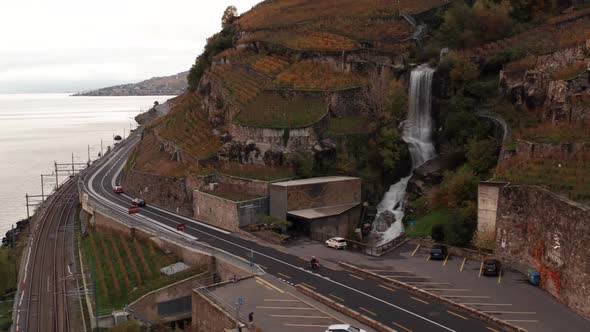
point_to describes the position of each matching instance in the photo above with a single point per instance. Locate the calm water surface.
(38, 129)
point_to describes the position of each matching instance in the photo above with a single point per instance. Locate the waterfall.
(417, 133)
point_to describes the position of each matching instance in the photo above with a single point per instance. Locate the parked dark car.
(438, 251)
(491, 267)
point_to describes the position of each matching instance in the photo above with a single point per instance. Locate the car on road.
(438, 251)
(118, 189)
(139, 202)
(491, 267)
(337, 243)
(343, 328)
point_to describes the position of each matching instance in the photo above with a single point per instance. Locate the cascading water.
(417, 133)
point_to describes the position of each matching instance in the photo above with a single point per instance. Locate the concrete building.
(318, 206)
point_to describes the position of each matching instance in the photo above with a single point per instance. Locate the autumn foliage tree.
(229, 16)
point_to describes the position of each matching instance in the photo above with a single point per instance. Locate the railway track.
(46, 294)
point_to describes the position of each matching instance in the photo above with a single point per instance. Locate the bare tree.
(385, 98)
(229, 16)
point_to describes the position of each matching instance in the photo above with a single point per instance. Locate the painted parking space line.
(457, 315)
(392, 271)
(491, 304)
(299, 316)
(419, 300)
(357, 277)
(491, 329)
(480, 268)
(402, 327)
(308, 286)
(510, 312)
(415, 250)
(284, 308)
(262, 266)
(385, 287)
(368, 311)
(284, 275)
(269, 285)
(427, 283)
(463, 264)
(500, 276)
(446, 259)
(427, 258)
(336, 297)
(305, 325)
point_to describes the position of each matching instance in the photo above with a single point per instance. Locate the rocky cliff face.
(552, 84)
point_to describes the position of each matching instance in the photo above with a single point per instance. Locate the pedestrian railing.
(365, 248)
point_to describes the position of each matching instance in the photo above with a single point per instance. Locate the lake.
(38, 129)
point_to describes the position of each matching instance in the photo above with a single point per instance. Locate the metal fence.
(365, 248)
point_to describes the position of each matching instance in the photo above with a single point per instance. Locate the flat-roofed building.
(318, 206)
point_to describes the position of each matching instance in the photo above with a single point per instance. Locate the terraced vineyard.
(270, 110)
(570, 178)
(241, 85)
(288, 12)
(187, 126)
(270, 65)
(366, 28)
(542, 40)
(124, 268)
(304, 39)
(310, 75)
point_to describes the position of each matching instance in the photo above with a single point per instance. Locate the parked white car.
(343, 328)
(337, 243)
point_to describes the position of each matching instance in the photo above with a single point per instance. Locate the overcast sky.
(67, 45)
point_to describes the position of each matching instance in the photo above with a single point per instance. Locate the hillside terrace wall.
(536, 229)
(174, 194)
(526, 149)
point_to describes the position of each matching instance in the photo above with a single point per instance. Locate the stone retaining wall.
(526, 149)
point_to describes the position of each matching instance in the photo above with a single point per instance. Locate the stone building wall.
(215, 211)
(208, 316)
(536, 229)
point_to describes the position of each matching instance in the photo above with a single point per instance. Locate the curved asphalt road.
(398, 309)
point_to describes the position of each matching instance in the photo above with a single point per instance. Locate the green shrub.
(216, 44)
(438, 232)
(458, 233)
(482, 155)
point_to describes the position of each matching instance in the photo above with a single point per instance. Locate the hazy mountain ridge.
(165, 85)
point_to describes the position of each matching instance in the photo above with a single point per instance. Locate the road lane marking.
(270, 285)
(357, 277)
(402, 327)
(336, 297)
(284, 275)
(463, 264)
(494, 304)
(456, 314)
(298, 316)
(390, 289)
(510, 312)
(491, 329)
(308, 286)
(521, 321)
(446, 259)
(279, 300)
(408, 277)
(167, 216)
(419, 300)
(392, 271)
(368, 311)
(448, 289)
(285, 308)
(415, 250)
(469, 296)
(305, 325)
(262, 266)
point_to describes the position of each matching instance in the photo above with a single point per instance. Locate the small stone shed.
(318, 206)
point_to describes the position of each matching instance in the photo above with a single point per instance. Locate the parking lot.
(509, 296)
(278, 307)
